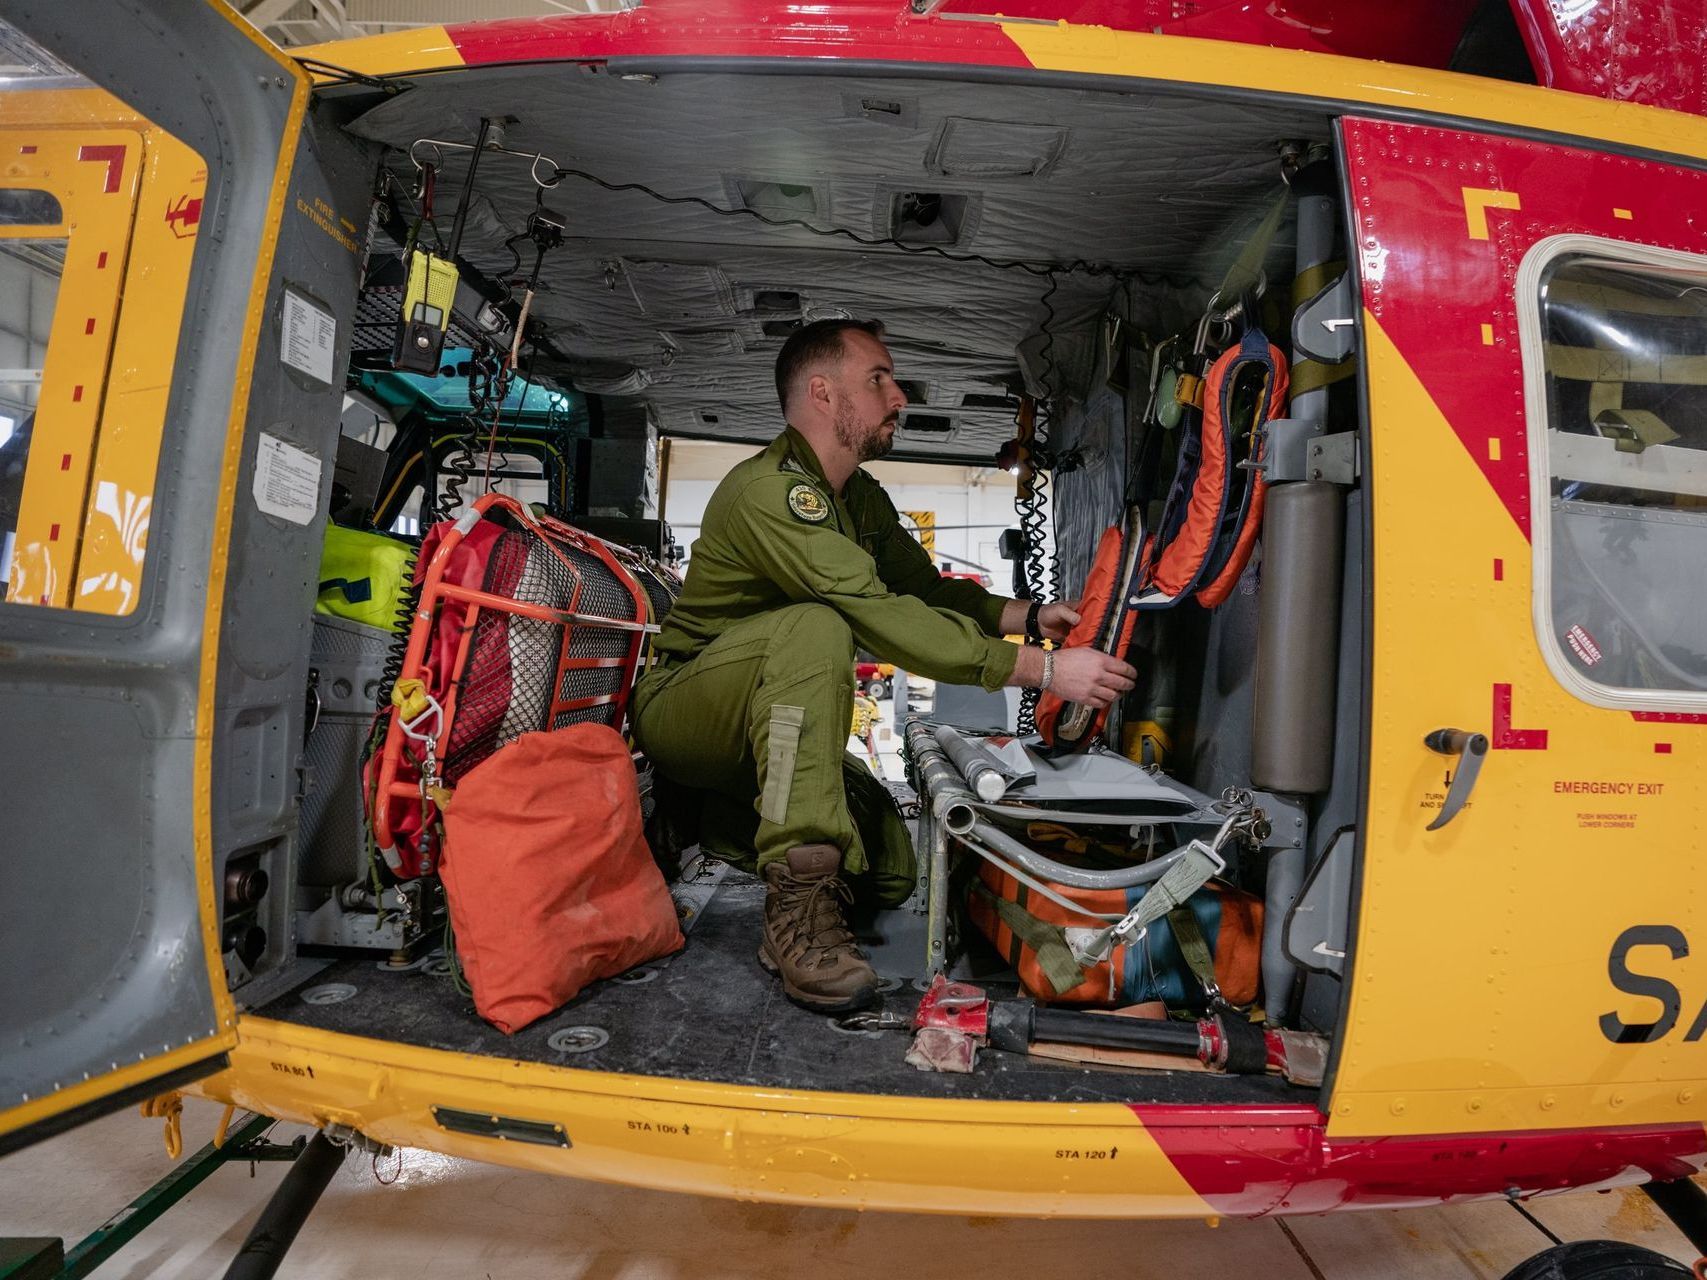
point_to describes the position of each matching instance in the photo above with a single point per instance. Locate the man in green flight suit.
(800, 557)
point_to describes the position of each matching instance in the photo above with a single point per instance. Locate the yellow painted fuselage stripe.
(394, 53)
(1185, 61)
(1189, 62)
(867, 1151)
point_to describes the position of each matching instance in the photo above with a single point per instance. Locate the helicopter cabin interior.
(1057, 249)
(1047, 260)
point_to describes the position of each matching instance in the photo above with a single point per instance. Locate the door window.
(99, 213)
(30, 270)
(1616, 360)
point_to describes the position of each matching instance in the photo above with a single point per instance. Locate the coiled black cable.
(1042, 570)
(488, 383)
(402, 620)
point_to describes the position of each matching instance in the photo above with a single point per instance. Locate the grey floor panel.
(710, 1013)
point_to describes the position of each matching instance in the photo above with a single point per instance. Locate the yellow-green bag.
(363, 576)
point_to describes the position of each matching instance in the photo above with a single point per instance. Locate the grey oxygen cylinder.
(1298, 626)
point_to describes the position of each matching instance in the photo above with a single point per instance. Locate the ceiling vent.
(979, 400)
(779, 199)
(928, 217)
(932, 424)
(882, 108)
(913, 389)
(774, 301)
(703, 345)
(966, 148)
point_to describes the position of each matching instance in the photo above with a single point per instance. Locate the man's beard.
(865, 444)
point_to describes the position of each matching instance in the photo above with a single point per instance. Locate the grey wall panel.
(99, 714)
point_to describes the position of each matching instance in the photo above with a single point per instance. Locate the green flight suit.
(751, 699)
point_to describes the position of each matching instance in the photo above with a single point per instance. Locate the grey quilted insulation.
(687, 309)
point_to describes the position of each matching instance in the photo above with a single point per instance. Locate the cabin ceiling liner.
(687, 309)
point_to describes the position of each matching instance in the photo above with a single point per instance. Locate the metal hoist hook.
(170, 1108)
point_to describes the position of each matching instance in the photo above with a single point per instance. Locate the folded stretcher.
(1079, 924)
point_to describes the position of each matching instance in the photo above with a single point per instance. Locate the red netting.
(520, 668)
(524, 625)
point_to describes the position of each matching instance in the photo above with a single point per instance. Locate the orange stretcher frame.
(400, 780)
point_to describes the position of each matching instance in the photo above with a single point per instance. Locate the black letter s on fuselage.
(1615, 1028)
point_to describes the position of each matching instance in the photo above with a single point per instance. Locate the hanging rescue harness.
(1208, 526)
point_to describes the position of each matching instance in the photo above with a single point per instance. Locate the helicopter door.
(163, 379)
(1532, 316)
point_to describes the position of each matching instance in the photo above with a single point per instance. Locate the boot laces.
(814, 904)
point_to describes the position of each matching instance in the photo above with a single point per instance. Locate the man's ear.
(818, 391)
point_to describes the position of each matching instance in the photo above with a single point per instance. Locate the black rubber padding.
(1598, 1260)
(1247, 1047)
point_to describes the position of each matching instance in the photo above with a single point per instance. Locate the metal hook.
(440, 145)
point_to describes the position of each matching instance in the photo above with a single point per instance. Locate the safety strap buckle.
(1199, 863)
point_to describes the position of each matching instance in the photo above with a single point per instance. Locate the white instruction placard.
(287, 480)
(310, 337)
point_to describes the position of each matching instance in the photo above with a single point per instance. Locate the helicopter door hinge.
(1332, 458)
(1470, 749)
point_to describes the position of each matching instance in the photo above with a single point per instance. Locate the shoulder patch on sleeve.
(808, 504)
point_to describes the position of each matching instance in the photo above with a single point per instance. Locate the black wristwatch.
(1032, 633)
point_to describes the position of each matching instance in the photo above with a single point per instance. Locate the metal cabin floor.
(711, 1013)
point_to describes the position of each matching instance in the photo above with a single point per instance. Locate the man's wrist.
(1033, 633)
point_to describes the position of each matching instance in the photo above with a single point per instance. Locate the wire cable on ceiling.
(1078, 266)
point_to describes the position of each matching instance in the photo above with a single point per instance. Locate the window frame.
(1531, 275)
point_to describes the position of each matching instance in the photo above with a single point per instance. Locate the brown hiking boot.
(807, 942)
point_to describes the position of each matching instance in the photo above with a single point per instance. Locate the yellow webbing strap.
(1312, 280)
(1188, 936)
(785, 728)
(1313, 375)
(1593, 364)
(410, 698)
(1633, 429)
(1054, 956)
(1247, 267)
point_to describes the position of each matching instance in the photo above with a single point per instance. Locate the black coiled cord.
(1042, 571)
(488, 384)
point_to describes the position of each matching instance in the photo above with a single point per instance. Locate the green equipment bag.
(363, 576)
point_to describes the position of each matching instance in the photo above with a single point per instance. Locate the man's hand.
(1056, 620)
(1090, 676)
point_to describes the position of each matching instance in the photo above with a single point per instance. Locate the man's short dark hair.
(812, 344)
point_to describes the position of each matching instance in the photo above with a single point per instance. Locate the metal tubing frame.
(242, 1145)
(274, 1231)
(1685, 1203)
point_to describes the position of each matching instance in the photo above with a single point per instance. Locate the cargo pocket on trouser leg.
(785, 725)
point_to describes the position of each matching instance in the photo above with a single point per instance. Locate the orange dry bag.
(550, 883)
